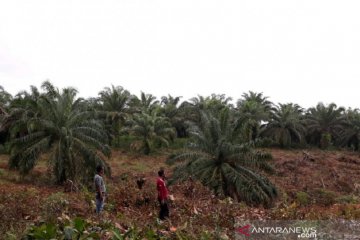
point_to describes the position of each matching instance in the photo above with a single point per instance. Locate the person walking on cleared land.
(162, 195)
(100, 189)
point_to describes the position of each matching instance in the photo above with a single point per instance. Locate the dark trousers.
(164, 210)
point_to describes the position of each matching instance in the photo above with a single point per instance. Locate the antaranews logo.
(300, 232)
(296, 229)
(245, 230)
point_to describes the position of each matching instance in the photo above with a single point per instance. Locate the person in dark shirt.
(162, 195)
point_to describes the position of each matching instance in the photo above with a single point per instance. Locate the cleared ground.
(313, 184)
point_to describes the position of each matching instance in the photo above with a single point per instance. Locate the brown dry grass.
(195, 208)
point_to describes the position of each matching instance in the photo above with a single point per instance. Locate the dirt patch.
(332, 170)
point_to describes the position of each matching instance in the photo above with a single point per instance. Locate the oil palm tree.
(286, 125)
(258, 98)
(174, 111)
(214, 103)
(152, 129)
(228, 168)
(324, 123)
(5, 101)
(23, 106)
(62, 127)
(115, 99)
(249, 117)
(113, 106)
(350, 135)
(252, 110)
(147, 103)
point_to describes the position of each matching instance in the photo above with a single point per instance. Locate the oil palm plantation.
(229, 169)
(61, 126)
(286, 126)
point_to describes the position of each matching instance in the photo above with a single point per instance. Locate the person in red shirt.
(162, 195)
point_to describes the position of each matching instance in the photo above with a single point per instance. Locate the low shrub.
(324, 197)
(302, 198)
(347, 199)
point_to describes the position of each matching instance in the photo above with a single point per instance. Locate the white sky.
(302, 51)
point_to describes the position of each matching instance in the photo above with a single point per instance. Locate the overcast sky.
(303, 51)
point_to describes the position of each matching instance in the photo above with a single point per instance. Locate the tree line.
(222, 143)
